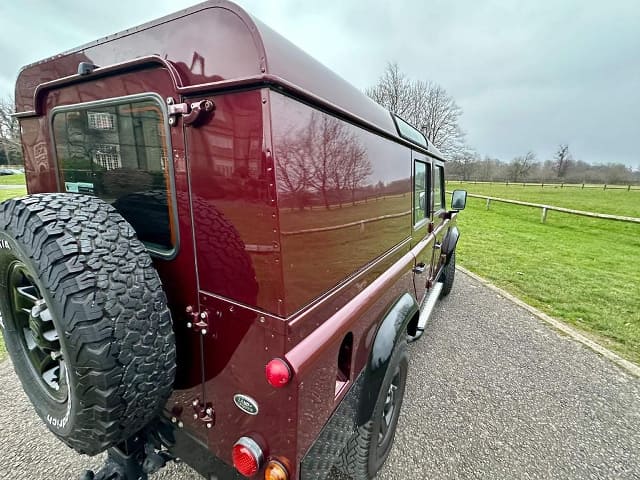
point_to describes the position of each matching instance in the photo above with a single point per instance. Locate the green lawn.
(582, 270)
(17, 179)
(615, 202)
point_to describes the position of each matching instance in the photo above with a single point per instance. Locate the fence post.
(488, 203)
(583, 186)
(628, 188)
(544, 214)
(605, 186)
(562, 185)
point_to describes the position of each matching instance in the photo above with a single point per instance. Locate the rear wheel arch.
(391, 331)
(450, 241)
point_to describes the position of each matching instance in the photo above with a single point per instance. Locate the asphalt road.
(493, 393)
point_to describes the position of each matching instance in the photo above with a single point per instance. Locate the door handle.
(419, 268)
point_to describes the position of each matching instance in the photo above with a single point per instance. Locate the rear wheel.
(369, 447)
(84, 318)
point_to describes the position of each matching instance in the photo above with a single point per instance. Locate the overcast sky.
(528, 75)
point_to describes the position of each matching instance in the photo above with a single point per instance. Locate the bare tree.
(562, 160)
(394, 91)
(9, 132)
(463, 164)
(424, 104)
(437, 115)
(521, 166)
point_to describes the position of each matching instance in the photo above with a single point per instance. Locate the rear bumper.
(317, 463)
(195, 454)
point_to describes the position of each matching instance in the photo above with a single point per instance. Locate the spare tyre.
(84, 317)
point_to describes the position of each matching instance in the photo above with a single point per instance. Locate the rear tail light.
(275, 471)
(278, 373)
(247, 456)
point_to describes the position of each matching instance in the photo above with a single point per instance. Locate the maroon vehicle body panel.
(325, 263)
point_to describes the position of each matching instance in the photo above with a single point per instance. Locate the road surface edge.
(558, 325)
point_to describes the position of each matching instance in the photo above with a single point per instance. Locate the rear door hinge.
(198, 321)
(204, 412)
(192, 114)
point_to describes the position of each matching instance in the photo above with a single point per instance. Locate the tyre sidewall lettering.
(56, 415)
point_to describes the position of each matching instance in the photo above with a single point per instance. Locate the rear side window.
(119, 152)
(420, 191)
(438, 190)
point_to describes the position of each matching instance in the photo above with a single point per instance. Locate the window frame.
(428, 174)
(443, 201)
(155, 251)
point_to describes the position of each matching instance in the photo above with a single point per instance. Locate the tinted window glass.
(410, 133)
(438, 197)
(420, 182)
(119, 153)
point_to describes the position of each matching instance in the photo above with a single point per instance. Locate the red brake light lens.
(247, 455)
(278, 373)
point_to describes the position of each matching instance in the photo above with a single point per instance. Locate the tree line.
(424, 104)
(561, 168)
(428, 107)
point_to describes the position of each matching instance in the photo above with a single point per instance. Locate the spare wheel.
(84, 317)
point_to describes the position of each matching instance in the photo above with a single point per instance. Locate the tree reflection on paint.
(323, 159)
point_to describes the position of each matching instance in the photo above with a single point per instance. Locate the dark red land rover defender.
(223, 254)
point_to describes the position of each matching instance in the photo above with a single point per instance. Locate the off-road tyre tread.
(354, 458)
(108, 300)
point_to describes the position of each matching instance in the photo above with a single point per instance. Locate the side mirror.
(458, 199)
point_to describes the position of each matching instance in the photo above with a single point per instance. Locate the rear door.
(421, 232)
(438, 218)
(112, 138)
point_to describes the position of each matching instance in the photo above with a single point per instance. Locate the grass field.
(17, 179)
(615, 202)
(582, 270)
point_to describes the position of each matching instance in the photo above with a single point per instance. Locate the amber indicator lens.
(275, 471)
(244, 460)
(278, 373)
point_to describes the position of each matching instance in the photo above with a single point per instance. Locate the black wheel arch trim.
(392, 329)
(450, 241)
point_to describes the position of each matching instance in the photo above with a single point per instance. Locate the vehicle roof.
(237, 47)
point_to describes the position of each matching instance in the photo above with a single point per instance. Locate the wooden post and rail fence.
(546, 208)
(582, 186)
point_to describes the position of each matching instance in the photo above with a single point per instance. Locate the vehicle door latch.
(192, 113)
